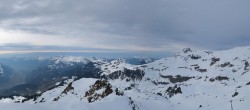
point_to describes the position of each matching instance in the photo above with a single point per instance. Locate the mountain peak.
(187, 50)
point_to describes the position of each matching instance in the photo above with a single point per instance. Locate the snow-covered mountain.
(192, 80)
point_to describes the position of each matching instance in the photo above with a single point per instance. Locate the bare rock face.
(214, 60)
(68, 88)
(127, 74)
(171, 91)
(246, 66)
(197, 68)
(235, 94)
(226, 64)
(65, 91)
(98, 91)
(187, 50)
(219, 78)
(118, 92)
(194, 57)
(177, 78)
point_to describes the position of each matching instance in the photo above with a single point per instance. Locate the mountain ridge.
(189, 80)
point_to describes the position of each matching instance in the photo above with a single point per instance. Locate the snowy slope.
(193, 80)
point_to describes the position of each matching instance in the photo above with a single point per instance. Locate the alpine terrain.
(190, 80)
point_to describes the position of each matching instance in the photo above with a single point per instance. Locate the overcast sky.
(146, 26)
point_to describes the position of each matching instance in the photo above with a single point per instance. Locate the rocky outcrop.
(219, 78)
(197, 68)
(68, 88)
(98, 91)
(127, 74)
(214, 60)
(246, 66)
(194, 57)
(177, 78)
(226, 64)
(171, 91)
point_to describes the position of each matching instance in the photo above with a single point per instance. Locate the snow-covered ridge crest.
(237, 51)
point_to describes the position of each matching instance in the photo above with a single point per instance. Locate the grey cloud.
(31, 47)
(210, 24)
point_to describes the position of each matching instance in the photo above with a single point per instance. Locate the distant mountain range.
(41, 73)
(192, 80)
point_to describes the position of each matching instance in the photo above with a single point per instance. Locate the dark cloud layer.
(207, 24)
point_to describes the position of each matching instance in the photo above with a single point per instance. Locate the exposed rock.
(56, 99)
(197, 68)
(202, 70)
(214, 60)
(42, 100)
(234, 70)
(211, 79)
(163, 83)
(186, 50)
(132, 103)
(127, 74)
(65, 91)
(226, 64)
(119, 93)
(34, 97)
(246, 65)
(208, 52)
(200, 106)
(160, 94)
(128, 88)
(248, 83)
(68, 88)
(176, 78)
(235, 94)
(99, 84)
(220, 78)
(195, 57)
(171, 91)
